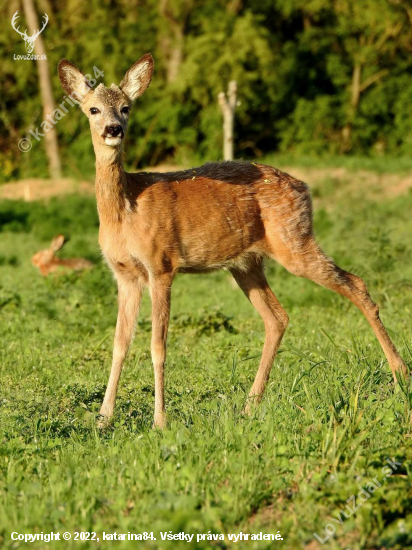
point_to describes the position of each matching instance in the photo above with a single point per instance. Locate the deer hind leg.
(256, 288)
(129, 298)
(160, 290)
(310, 262)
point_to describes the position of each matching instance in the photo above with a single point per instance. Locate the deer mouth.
(113, 141)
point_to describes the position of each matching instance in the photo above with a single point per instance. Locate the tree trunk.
(227, 107)
(175, 57)
(176, 16)
(307, 23)
(51, 144)
(356, 86)
(354, 104)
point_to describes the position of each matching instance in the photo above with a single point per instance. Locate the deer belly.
(215, 248)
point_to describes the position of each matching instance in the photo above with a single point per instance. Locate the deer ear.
(73, 80)
(138, 77)
(57, 243)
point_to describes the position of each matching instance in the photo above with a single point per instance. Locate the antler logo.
(29, 40)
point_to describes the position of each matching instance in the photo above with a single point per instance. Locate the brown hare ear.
(138, 77)
(57, 243)
(73, 81)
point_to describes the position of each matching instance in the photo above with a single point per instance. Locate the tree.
(46, 92)
(175, 14)
(227, 106)
(372, 34)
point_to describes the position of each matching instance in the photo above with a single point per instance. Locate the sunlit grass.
(330, 418)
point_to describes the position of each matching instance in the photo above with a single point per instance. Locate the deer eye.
(125, 110)
(94, 111)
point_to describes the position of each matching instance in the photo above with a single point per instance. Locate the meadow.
(330, 418)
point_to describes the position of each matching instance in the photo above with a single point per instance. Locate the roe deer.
(47, 262)
(228, 215)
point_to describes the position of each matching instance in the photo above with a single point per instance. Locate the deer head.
(107, 108)
(29, 40)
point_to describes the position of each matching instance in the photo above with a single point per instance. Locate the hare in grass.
(47, 262)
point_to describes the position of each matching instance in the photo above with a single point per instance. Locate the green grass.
(329, 420)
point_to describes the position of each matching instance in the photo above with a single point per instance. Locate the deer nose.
(114, 130)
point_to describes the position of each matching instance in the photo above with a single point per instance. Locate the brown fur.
(228, 215)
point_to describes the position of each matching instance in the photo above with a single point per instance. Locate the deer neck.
(110, 184)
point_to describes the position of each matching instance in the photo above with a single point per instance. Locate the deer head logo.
(29, 40)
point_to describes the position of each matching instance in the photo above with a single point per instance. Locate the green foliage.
(295, 63)
(329, 420)
(313, 127)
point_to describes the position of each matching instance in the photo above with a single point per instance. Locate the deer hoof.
(251, 404)
(247, 410)
(103, 422)
(160, 421)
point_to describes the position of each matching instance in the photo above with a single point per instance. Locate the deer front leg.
(129, 297)
(160, 293)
